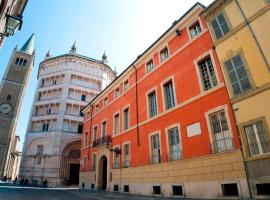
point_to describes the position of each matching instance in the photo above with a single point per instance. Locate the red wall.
(181, 66)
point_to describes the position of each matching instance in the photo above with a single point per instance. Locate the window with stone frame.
(152, 104)
(195, 29)
(126, 119)
(105, 101)
(169, 95)
(220, 26)
(155, 149)
(116, 157)
(39, 154)
(149, 65)
(207, 73)
(104, 129)
(84, 163)
(95, 133)
(125, 85)
(238, 75)
(117, 92)
(116, 123)
(126, 155)
(222, 138)
(175, 150)
(257, 140)
(164, 54)
(85, 139)
(94, 162)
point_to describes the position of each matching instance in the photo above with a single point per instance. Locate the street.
(27, 193)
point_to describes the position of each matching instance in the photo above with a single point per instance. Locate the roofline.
(78, 56)
(212, 4)
(153, 44)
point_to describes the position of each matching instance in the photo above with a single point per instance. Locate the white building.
(66, 83)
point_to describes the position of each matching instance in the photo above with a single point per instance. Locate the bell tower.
(12, 91)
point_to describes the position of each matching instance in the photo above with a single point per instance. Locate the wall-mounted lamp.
(13, 24)
(178, 32)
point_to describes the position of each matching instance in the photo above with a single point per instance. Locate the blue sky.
(123, 28)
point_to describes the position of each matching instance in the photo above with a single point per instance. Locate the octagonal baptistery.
(66, 83)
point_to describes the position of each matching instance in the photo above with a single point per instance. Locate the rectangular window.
(45, 127)
(116, 124)
(195, 29)
(175, 152)
(84, 162)
(164, 54)
(238, 75)
(86, 139)
(97, 108)
(39, 154)
(125, 85)
(222, 139)
(229, 190)
(169, 95)
(155, 149)
(126, 119)
(152, 104)
(256, 138)
(126, 155)
(177, 190)
(263, 188)
(220, 26)
(156, 190)
(104, 129)
(39, 150)
(115, 188)
(94, 162)
(149, 65)
(116, 157)
(95, 134)
(83, 97)
(207, 73)
(105, 101)
(126, 188)
(117, 92)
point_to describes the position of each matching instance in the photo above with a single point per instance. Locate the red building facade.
(165, 126)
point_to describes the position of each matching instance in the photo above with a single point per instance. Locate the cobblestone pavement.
(30, 193)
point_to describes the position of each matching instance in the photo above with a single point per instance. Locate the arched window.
(17, 61)
(24, 62)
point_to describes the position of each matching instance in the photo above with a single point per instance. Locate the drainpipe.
(234, 118)
(253, 35)
(90, 132)
(137, 111)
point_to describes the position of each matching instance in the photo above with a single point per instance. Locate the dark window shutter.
(223, 23)
(238, 75)
(216, 28)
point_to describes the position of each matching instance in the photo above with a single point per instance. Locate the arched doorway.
(103, 164)
(70, 163)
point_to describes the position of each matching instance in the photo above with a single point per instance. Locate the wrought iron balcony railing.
(106, 140)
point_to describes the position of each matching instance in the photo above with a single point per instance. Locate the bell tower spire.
(28, 46)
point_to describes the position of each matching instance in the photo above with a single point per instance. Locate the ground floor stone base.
(206, 177)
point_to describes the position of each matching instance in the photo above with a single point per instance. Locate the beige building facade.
(240, 32)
